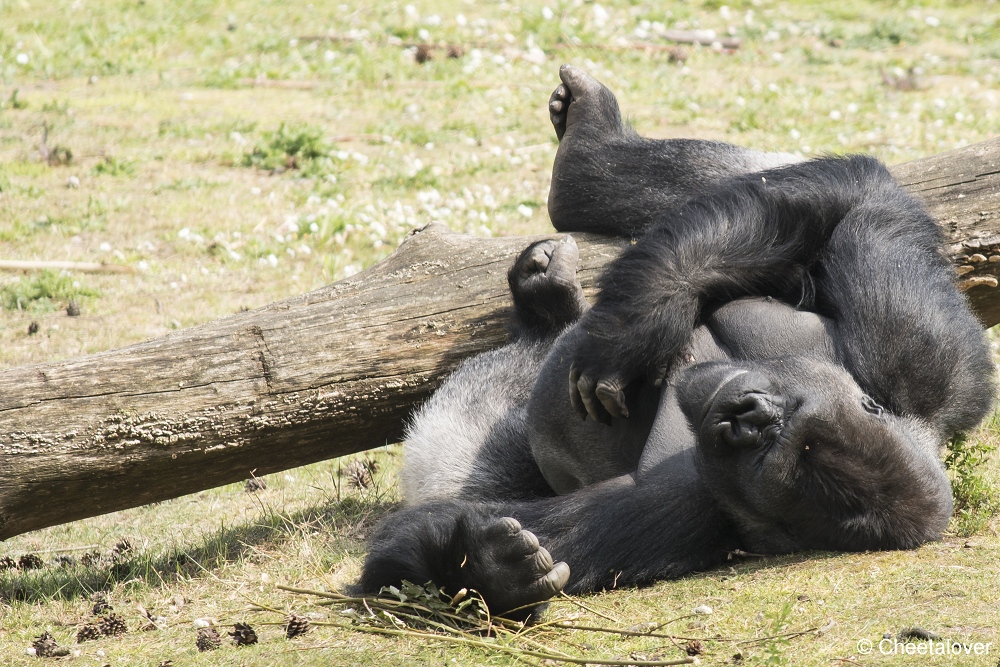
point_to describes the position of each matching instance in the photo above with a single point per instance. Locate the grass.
(350, 144)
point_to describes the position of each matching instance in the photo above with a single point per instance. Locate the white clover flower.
(600, 15)
(22, 59)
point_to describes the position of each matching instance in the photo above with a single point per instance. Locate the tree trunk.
(334, 371)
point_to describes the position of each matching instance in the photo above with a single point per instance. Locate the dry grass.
(154, 101)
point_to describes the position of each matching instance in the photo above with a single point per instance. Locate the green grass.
(350, 144)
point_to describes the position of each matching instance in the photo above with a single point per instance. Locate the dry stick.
(569, 625)
(519, 635)
(676, 36)
(338, 598)
(786, 635)
(579, 604)
(504, 649)
(85, 267)
(63, 549)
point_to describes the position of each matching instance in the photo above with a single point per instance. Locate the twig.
(586, 608)
(287, 84)
(786, 635)
(504, 649)
(338, 598)
(704, 38)
(86, 547)
(85, 267)
(568, 625)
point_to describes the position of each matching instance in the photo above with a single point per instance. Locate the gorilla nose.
(744, 421)
(732, 406)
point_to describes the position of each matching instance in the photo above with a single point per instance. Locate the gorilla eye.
(871, 407)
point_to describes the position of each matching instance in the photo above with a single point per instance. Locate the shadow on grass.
(349, 517)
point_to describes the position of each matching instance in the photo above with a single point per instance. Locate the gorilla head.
(801, 457)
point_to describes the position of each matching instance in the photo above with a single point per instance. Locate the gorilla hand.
(622, 346)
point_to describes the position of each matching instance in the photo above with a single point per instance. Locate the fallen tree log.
(334, 371)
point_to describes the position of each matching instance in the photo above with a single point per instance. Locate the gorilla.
(772, 366)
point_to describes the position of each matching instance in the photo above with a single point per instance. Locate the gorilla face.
(795, 451)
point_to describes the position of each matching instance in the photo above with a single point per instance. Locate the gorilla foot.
(583, 105)
(510, 569)
(547, 295)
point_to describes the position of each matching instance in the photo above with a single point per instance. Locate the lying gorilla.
(772, 366)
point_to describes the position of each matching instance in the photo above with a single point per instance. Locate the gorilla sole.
(772, 366)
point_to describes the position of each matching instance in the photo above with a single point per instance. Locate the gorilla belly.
(573, 453)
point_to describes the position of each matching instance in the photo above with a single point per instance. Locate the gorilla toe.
(510, 569)
(583, 106)
(547, 295)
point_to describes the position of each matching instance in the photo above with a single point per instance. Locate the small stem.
(507, 649)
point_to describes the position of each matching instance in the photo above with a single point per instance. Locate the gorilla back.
(772, 366)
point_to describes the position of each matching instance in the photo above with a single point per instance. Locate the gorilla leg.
(757, 234)
(457, 544)
(616, 533)
(469, 440)
(608, 179)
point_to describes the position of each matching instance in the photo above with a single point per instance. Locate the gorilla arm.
(906, 333)
(617, 533)
(757, 234)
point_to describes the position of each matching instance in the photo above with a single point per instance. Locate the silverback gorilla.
(771, 366)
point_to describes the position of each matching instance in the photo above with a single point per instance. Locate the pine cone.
(694, 648)
(113, 625)
(65, 560)
(46, 647)
(297, 625)
(88, 632)
(7, 563)
(101, 604)
(255, 484)
(359, 473)
(208, 639)
(122, 550)
(243, 635)
(30, 562)
(91, 558)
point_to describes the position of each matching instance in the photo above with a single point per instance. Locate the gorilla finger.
(594, 408)
(660, 375)
(565, 255)
(521, 545)
(560, 93)
(542, 560)
(556, 106)
(553, 582)
(503, 527)
(574, 394)
(612, 398)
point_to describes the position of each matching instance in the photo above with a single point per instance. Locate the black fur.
(772, 366)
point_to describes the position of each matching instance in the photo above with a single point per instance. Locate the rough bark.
(331, 372)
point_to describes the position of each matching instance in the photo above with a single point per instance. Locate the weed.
(775, 647)
(886, 32)
(56, 106)
(15, 102)
(43, 292)
(112, 166)
(976, 499)
(299, 147)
